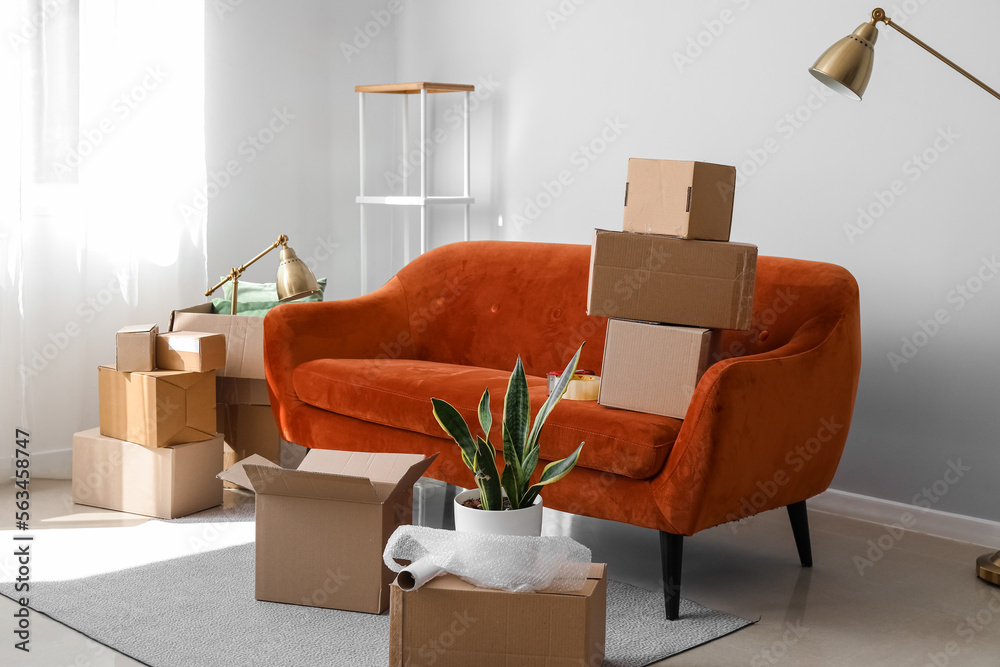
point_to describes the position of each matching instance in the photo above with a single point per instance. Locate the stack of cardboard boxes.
(156, 451)
(243, 404)
(667, 281)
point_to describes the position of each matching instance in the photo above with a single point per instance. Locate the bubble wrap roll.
(510, 563)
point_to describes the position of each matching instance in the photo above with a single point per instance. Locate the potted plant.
(506, 502)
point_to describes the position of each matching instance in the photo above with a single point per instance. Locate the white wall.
(608, 77)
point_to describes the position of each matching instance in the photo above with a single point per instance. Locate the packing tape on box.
(511, 563)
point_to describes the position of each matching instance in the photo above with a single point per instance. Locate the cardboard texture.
(249, 429)
(653, 367)
(135, 348)
(244, 337)
(322, 528)
(236, 477)
(675, 281)
(167, 482)
(450, 623)
(190, 351)
(158, 408)
(690, 200)
(243, 391)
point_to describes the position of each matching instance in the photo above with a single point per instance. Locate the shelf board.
(414, 87)
(413, 200)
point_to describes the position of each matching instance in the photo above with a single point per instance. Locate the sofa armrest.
(764, 430)
(374, 326)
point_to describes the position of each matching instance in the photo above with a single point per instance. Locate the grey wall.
(575, 88)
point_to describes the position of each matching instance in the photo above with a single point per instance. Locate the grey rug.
(200, 611)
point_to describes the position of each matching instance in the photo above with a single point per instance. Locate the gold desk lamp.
(846, 67)
(294, 280)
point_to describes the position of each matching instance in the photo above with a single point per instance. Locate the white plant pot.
(527, 521)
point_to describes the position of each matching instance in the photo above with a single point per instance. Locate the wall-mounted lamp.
(294, 280)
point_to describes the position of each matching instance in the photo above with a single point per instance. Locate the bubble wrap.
(516, 564)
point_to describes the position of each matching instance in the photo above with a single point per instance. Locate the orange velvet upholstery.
(765, 429)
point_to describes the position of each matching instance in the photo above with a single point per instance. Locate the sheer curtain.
(105, 100)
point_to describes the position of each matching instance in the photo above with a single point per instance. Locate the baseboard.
(927, 521)
(55, 464)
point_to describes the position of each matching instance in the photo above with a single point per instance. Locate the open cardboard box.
(450, 623)
(322, 528)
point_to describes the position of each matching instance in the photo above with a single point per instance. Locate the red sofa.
(765, 429)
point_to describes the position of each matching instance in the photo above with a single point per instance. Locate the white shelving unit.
(421, 200)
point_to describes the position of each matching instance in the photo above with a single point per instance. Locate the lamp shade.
(847, 65)
(295, 280)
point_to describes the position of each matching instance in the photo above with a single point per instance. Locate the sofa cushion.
(398, 392)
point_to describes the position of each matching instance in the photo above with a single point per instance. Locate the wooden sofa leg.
(800, 529)
(671, 550)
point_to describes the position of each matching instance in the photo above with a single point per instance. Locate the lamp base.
(988, 568)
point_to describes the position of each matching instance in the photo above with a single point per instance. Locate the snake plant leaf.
(513, 478)
(454, 425)
(510, 485)
(531, 450)
(485, 417)
(487, 475)
(517, 410)
(553, 472)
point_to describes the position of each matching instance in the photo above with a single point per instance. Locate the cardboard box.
(450, 623)
(244, 337)
(322, 528)
(249, 429)
(167, 482)
(190, 351)
(158, 408)
(241, 391)
(676, 281)
(653, 367)
(135, 348)
(691, 200)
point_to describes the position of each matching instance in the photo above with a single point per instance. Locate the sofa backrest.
(483, 303)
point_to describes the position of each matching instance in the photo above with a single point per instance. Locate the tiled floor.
(873, 598)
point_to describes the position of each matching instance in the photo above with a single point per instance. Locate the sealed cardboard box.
(244, 337)
(190, 351)
(652, 367)
(167, 482)
(158, 408)
(135, 348)
(676, 281)
(321, 528)
(691, 200)
(450, 623)
(249, 429)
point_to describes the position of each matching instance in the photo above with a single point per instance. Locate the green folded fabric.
(256, 298)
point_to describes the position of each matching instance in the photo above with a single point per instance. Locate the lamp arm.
(879, 15)
(235, 274)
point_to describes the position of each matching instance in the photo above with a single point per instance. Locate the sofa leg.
(800, 529)
(448, 517)
(671, 550)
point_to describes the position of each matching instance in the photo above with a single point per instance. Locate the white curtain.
(105, 100)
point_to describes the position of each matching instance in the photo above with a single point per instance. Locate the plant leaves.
(516, 411)
(454, 425)
(553, 472)
(485, 417)
(487, 475)
(514, 478)
(531, 450)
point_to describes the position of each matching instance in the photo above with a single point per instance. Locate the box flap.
(137, 328)
(235, 474)
(267, 480)
(451, 582)
(386, 472)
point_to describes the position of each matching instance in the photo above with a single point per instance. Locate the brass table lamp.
(294, 280)
(846, 67)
